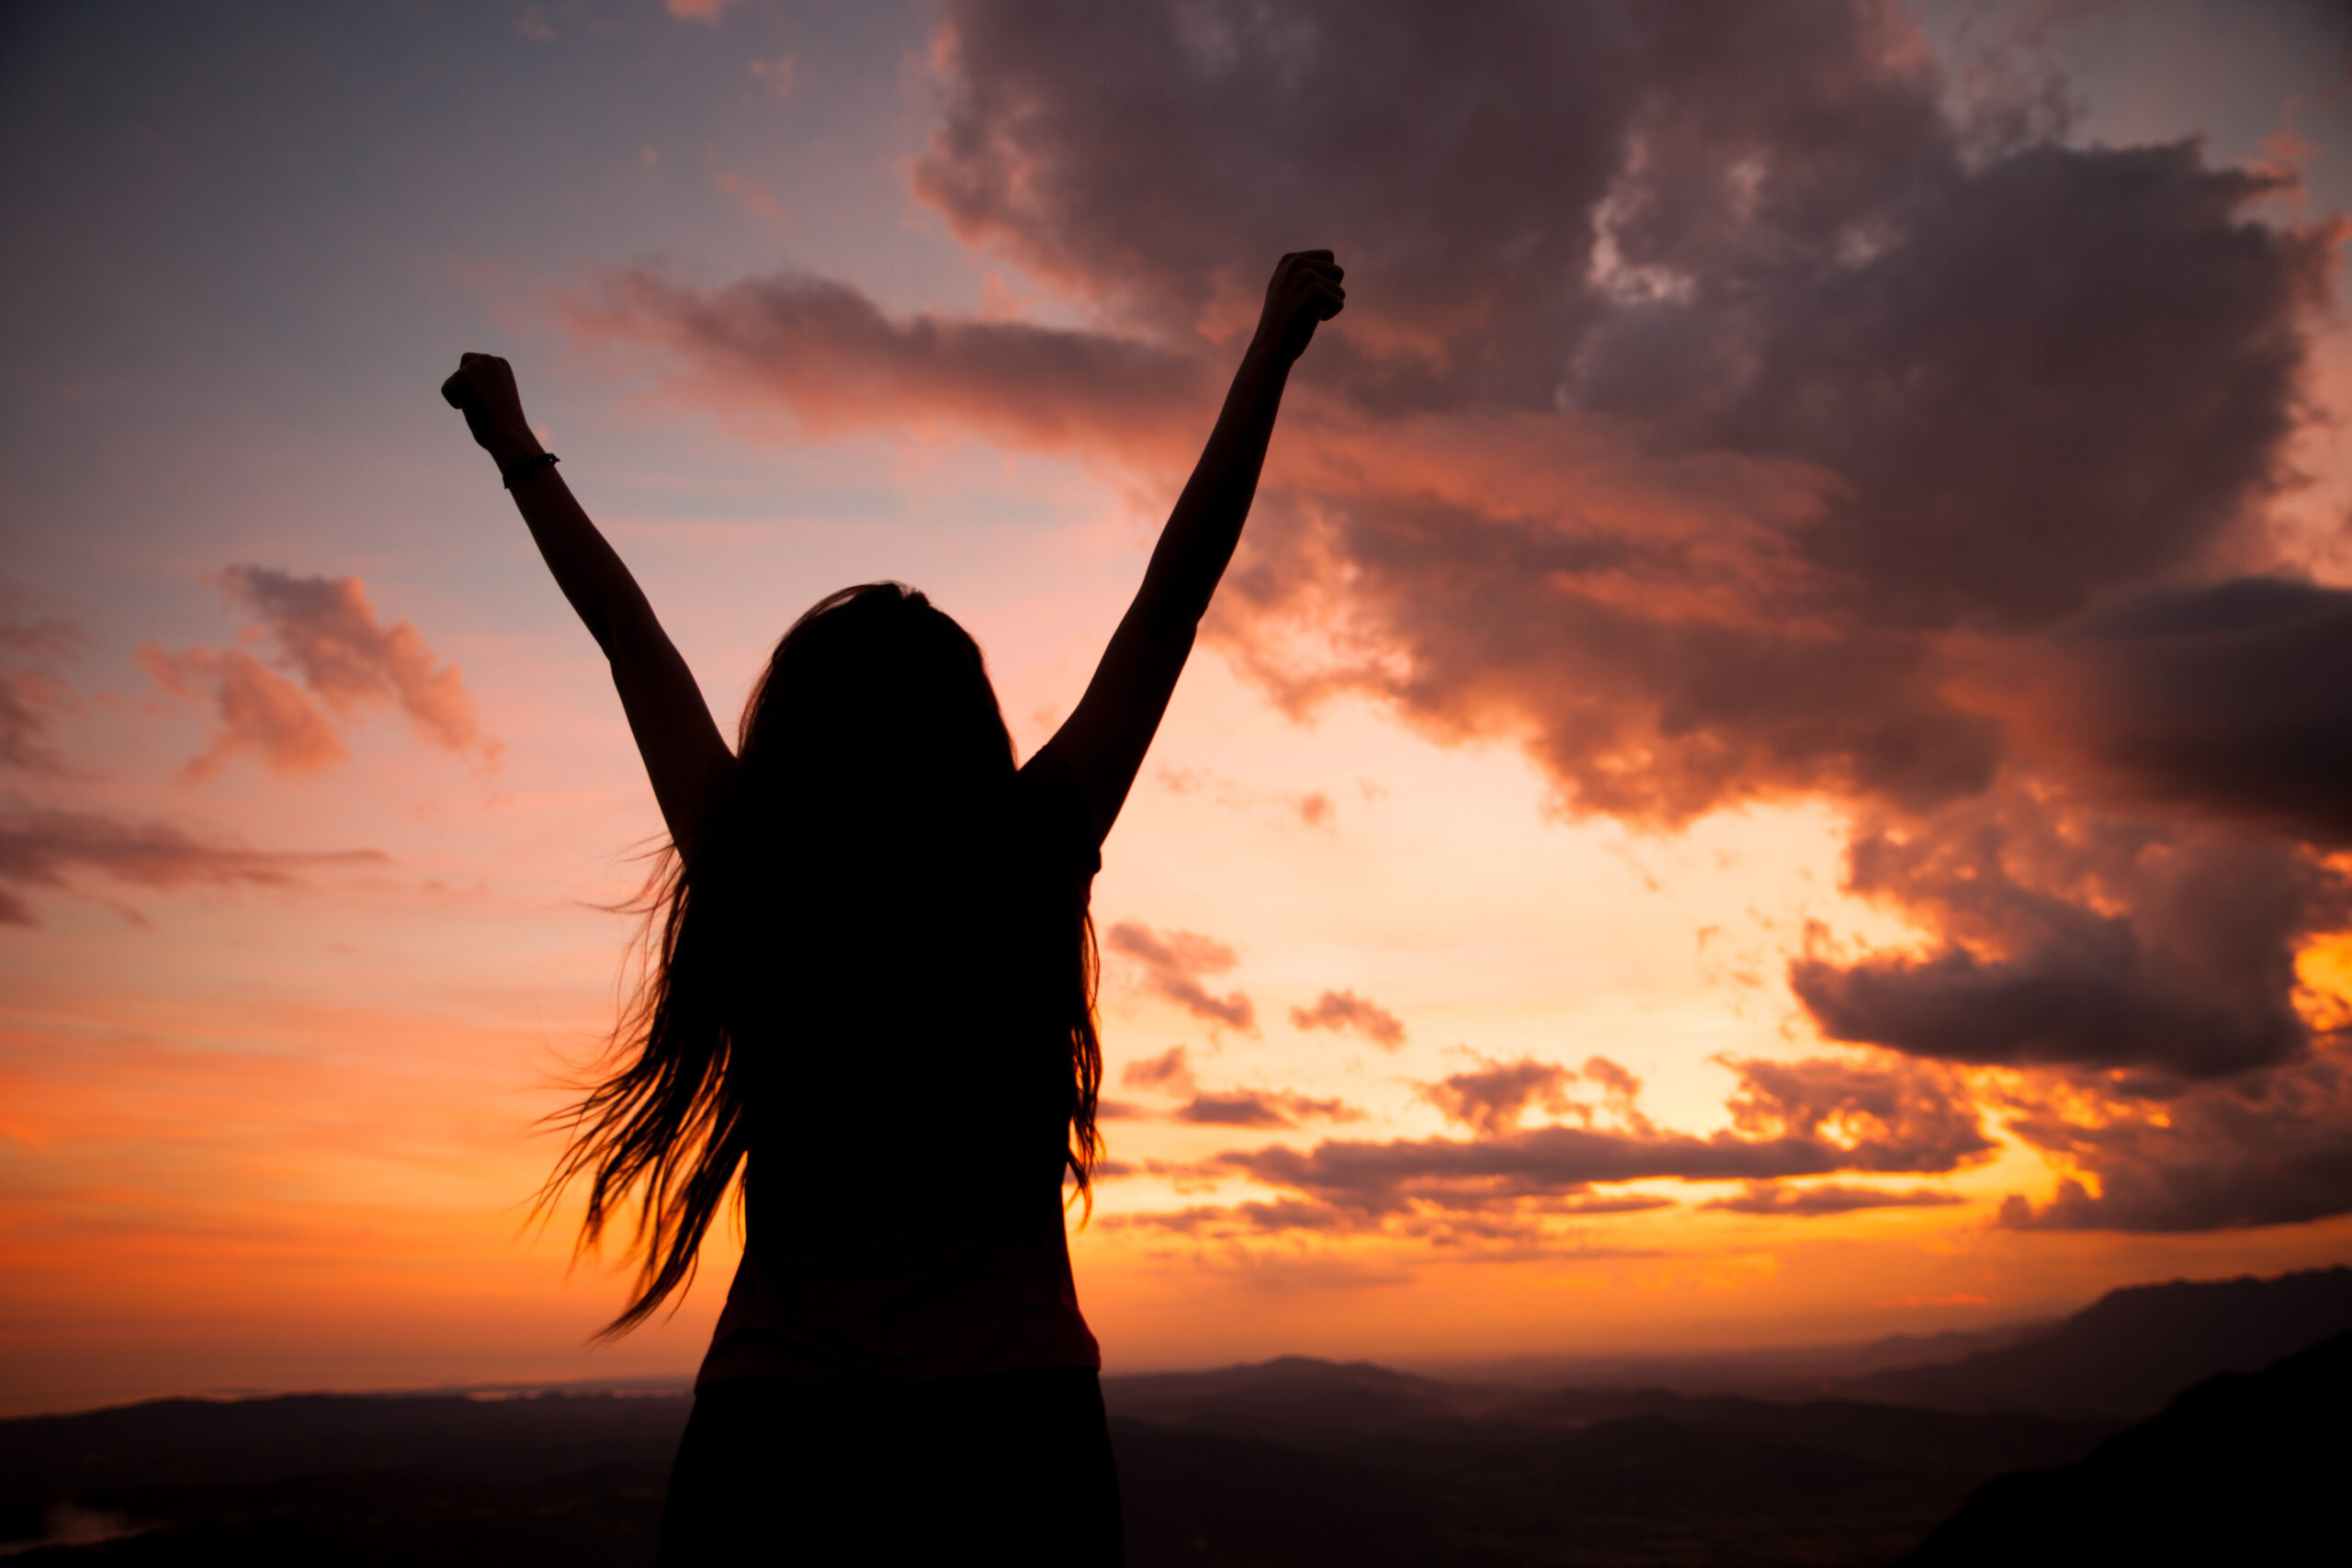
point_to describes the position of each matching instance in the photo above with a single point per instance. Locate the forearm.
(1205, 527)
(1106, 738)
(584, 566)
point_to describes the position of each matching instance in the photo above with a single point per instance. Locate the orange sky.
(1654, 852)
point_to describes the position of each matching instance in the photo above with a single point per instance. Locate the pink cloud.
(31, 691)
(38, 847)
(323, 632)
(252, 708)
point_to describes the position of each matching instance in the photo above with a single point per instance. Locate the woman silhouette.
(872, 998)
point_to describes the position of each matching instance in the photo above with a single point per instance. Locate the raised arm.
(684, 754)
(1104, 741)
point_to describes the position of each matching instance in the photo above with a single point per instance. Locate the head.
(875, 703)
(857, 845)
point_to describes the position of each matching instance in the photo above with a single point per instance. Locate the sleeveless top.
(941, 1252)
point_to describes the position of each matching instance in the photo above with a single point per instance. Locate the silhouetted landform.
(344, 1478)
(1771, 1372)
(1292, 1460)
(2243, 1468)
(1305, 1461)
(2132, 1350)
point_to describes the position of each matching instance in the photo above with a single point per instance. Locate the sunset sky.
(1775, 767)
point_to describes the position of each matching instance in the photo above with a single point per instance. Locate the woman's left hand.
(1305, 292)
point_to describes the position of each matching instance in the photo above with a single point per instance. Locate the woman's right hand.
(483, 391)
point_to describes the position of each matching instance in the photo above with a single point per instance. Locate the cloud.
(1886, 1115)
(1263, 1108)
(323, 632)
(1491, 1100)
(1812, 1202)
(830, 357)
(710, 11)
(1173, 965)
(2204, 700)
(1167, 1072)
(1171, 1073)
(2268, 1149)
(31, 690)
(1338, 1010)
(253, 709)
(1810, 1118)
(1515, 1233)
(38, 847)
(2077, 940)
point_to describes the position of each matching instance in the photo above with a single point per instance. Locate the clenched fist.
(1305, 291)
(483, 391)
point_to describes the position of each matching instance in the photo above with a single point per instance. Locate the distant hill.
(1299, 1460)
(1295, 1390)
(1800, 1371)
(344, 1478)
(2130, 1351)
(2240, 1469)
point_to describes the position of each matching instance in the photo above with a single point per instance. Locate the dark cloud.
(1156, 157)
(1338, 1010)
(2272, 1148)
(2081, 941)
(1885, 1116)
(1811, 1202)
(1515, 1235)
(38, 847)
(1173, 964)
(828, 355)
(1263, 1108)
(1492, 1099)
(2224, 700)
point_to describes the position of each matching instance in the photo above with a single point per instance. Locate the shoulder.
(1053, 808)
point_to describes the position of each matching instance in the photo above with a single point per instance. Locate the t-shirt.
(942, 1251)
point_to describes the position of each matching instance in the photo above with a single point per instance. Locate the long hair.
(862, 839)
